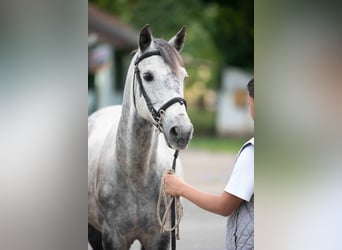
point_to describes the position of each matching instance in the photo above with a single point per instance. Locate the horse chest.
(131, 201)
(131, 209)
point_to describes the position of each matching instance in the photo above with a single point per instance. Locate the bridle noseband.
(156, 114)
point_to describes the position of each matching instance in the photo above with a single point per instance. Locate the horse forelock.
(170, 55)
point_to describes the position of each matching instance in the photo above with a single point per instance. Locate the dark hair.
(169, 54)
(250, 87)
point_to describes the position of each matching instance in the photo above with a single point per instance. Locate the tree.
(218, 31)
(233, 31)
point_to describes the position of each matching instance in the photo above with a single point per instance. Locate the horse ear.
(145, 38)
(178, 40)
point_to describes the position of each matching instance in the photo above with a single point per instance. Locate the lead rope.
(174, 205)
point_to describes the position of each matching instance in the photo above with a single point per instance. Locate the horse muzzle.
(178, 132)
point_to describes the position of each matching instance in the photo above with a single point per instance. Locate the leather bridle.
(156, 114)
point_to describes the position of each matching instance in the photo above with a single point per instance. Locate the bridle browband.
(156, 114)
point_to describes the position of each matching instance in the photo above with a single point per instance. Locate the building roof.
(110, 29)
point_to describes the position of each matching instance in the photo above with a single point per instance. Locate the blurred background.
(218, 55)
(44, 107)
(219, 58)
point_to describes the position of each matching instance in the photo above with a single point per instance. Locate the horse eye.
(148, 76)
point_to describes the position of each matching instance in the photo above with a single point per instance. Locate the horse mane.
(169, 54)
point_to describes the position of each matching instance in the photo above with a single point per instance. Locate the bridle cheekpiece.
(156, 114)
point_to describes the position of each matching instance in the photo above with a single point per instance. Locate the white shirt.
(241, 182)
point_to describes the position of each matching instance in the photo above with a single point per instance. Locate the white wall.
(103, 56)
(233, 117)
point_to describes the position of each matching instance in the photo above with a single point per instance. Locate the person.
(237, 199)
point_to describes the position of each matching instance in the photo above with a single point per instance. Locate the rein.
(156, 114)
(158, 117)
(174, 206)
(173, 209)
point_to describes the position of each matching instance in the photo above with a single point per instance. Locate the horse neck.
(137, 141)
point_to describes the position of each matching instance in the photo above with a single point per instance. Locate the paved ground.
(201, 230)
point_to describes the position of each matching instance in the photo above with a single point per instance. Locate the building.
(110, 42)
(233, 117)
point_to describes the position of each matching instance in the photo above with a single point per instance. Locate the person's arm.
(223, 204)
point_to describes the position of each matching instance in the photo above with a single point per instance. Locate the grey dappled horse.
(126, 154)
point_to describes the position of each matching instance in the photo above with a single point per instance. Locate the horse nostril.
(174, 132)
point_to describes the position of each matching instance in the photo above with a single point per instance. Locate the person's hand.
(173, 184)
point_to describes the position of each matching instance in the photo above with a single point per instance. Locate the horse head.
(158, 86)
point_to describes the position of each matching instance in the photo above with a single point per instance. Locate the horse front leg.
(162, 243)
(156, 242)
(94, 238)
(112, 240)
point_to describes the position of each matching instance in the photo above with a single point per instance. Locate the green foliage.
(216, 144)
(219, 32)
(234, 32)
(165, 17)
(203, 121)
